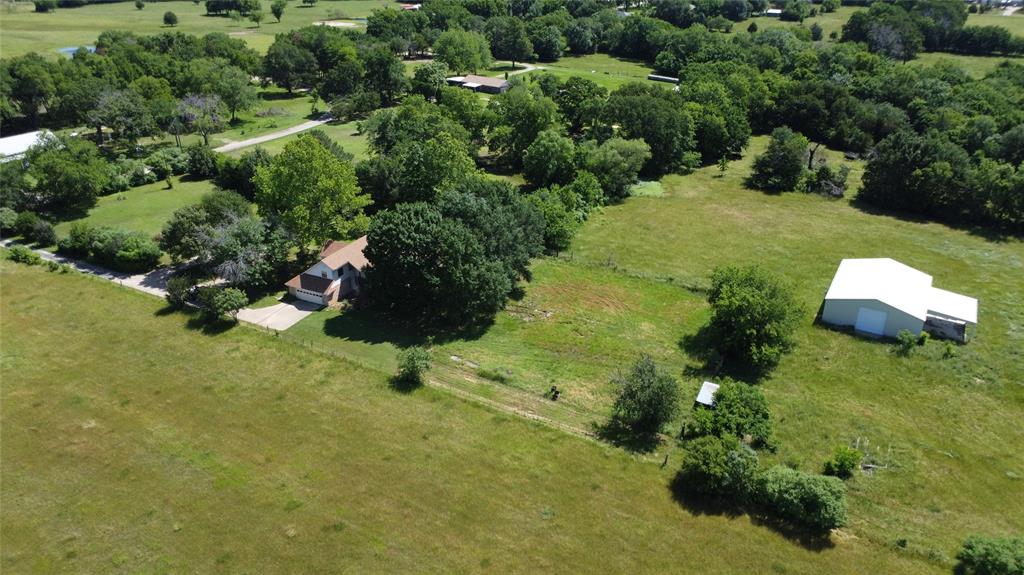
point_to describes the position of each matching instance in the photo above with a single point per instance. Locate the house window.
(323, 274)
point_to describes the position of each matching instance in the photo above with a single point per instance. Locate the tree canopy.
(311, 193)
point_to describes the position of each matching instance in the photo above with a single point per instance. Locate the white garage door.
(871, 321)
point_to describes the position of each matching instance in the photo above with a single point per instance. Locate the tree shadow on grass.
(614, 432)
(404, 385)
(697, 504)
(208, 326)
(990, 233)
(364, 324)
(274, 96)
(166, 310)
(702, 347)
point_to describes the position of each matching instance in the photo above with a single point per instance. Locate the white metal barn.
(14, 147)
(880, 297)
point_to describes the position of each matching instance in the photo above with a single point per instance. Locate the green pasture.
(137, 440)
(22, 30)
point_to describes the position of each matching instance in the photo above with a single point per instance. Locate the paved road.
(274, 135)
(278, 317)
(153, 283)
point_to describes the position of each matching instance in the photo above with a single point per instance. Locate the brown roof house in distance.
(480, 83)
(338, 274)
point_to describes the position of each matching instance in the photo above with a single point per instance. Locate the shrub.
(23, 255)
(718, 466)
(202, 161)
(648, 398)
(170, 19)
(905, 342)
(43, 233)
(494, 375)
(413, 362)
(179, 288)
(139, 4)
(168, 161)
(356, 105)
(8, 220)
(814, 501)
(982, 555)
(218, 302)
(45, 5)
(740, 411)
(120, 250)
(78, 241)
(25, 224)
(843, 463)
(753, 316)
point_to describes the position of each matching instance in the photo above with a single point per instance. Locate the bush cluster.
(120, 250)
(21, 254)
(981, 555)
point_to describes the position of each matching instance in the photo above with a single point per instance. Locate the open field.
(631, 284)
(1014, 22)
(275, 109)
(829, 22)
(171, 449)
(143, 209)
(975, 66)
(26, 31)
(346, 134)
(603, 69)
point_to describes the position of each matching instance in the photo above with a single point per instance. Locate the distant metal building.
(659, 78)
(476, 83)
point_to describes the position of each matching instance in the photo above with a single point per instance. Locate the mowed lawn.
(135, 443)
(25, 31)
(975, 66)
(603, 69)
(1014, 22)
(143, 209)
(829, 22)
(945, 429)
(274, 110)
(346, 134)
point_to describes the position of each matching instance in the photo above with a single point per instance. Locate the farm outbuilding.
(485, 84)
(880, 297)
(706, 395)
(14, 147)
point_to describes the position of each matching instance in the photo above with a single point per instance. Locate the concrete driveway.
(280, 316)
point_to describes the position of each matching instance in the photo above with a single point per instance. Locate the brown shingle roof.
(308, 282)
(330, 247)
(351, 254)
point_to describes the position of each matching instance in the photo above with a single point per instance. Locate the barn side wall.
(844, 313)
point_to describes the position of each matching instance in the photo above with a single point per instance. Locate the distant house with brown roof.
(480, 83)
(338, 274)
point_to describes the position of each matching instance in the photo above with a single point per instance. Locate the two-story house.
(338, 274)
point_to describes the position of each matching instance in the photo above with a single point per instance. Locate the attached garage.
(880, 297)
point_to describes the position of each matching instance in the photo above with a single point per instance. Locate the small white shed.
(880, 297)
(706, 395)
